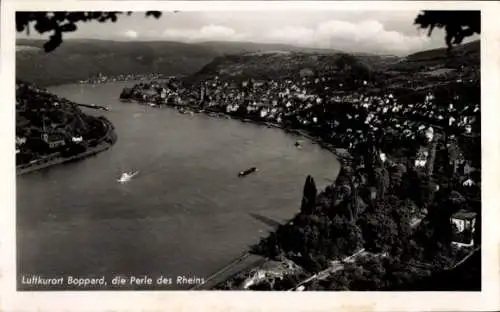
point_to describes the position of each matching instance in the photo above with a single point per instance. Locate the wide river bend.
(185, 213)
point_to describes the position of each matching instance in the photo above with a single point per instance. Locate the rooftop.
(464, 214)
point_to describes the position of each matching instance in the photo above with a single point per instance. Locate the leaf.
(42, 26)
(50, 46)
(20, 26)
(76, 16)
(155, 14)
(430, 30)
(54, 42)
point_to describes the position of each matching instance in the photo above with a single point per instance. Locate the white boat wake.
(126, 177)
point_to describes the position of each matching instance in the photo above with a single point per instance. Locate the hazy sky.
(390, 32)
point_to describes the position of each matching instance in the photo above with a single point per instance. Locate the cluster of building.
(102, 78)
(319, 105)
(323, 106)
(47, 124)
(315, 103)
(155, 92)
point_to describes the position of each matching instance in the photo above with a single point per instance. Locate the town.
(397, 207)
(407, 202)
(52, 130)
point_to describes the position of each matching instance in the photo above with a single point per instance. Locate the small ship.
(247, 172)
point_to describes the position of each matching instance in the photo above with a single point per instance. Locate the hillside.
(226, 47)
(81, 59)
(425, 67)
(468, 54)
(47, 125)
(279, 64)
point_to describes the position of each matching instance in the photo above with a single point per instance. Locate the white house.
(20, 140)
(77, 139)
(383, 157)
(429, 134)
(468, 182)
(421, 159)
(464, 223)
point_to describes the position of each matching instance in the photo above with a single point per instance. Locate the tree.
(457, 24)
(325, 199)
(370, 160)
(378, 225)
(355, 203)
(61, 22)
(383, 181)
(418, 187)
(396, 173)
(309, 196)
(432, 157)
(345, 237)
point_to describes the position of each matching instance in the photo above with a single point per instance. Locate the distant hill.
(226, 47)
(425, 67)
(281, 64)
(468, 54)
(467, 49)
(80, 59)
(76, 60)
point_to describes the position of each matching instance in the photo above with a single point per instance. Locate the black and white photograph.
(248, 150)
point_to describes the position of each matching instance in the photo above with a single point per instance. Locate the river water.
(185, 213)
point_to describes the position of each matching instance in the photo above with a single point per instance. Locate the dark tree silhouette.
(309, 197)
(61, 22)
(379, 227)
(457, 24)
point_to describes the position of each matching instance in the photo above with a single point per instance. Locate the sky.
(382, 32)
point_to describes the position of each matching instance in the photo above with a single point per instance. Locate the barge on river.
(247, 172)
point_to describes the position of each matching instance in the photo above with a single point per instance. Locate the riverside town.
(228, 165)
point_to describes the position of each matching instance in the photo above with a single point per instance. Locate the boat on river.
(247, 172)
(127, 176)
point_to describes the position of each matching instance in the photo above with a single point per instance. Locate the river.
(185, 213)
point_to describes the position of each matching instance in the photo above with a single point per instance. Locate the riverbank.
(243, 266)
(249, 261)
(340, 153)
(243, 263)
(271, 247)
(104, 143)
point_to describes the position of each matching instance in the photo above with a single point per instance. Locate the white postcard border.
(11, 300)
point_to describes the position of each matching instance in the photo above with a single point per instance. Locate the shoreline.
(340, 153)
(296, 131)
(249, 260)
(105, 142)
